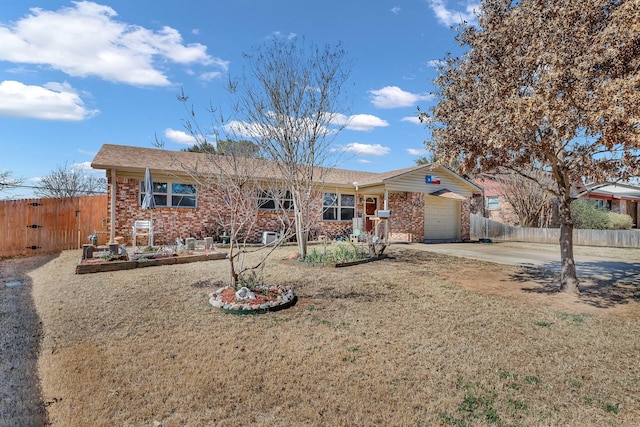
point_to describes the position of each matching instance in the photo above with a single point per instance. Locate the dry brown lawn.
(415, 339)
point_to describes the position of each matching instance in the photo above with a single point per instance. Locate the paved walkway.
(611, 264)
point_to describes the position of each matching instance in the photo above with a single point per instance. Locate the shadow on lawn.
(21, 401)
(603, 284)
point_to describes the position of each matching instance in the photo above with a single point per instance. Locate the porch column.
(112, 219)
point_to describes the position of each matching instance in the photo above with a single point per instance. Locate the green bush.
(619, 221)
(587, 215)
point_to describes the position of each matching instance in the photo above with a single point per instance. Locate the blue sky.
(78, 74)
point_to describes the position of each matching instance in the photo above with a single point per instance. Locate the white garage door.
(441, 218)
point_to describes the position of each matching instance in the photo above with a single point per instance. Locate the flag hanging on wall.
(429, 179)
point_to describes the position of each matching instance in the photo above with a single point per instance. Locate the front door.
(370, 206)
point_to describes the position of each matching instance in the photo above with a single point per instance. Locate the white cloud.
(394, 97)
(240, 129)
(450, 17)
(395, 10)
(435, 63)
(278, 34)
(87, 40)
(365, 149)
(84, 166)
(212, 75)
(53, 101)
(417, 151)
(412, 119)
(359, 122)
(179, 137)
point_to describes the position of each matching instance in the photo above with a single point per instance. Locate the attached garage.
(441, 218)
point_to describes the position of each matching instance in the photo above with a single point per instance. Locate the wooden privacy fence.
(33, 226)
(484, 228)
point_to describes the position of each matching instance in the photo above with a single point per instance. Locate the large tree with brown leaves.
(549, 84)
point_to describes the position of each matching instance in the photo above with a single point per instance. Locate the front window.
(338, 207)
(273, 199)
(172, 194)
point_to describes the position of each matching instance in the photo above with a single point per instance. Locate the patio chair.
(142, 229)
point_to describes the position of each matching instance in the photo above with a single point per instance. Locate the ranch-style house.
(420, 203)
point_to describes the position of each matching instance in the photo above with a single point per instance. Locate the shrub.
(619, 221)
(586, 214)
(340, 253)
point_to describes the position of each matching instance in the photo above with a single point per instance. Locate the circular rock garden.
(249, 301)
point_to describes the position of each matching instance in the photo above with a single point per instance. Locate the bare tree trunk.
(301, 232)
(233, 276)
(568, 277)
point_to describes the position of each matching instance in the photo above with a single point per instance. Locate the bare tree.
(234, 181)
(9, 180)
(545, 83)
(292, 106)
(238, 182)
(531, 199)
(65, 181)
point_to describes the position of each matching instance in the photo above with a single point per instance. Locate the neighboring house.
(494, 205)
(427, 202)
(614, 197)
(620, 198)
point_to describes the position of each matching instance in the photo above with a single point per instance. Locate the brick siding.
(465, 220)
(406, 223)
(407, 216)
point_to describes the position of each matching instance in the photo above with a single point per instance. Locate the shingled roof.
(137, 159)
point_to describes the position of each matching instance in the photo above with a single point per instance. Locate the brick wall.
(171, 223)
(405, 224)
(407, 216)
(465, 220)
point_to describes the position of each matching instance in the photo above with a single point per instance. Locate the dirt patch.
(21, 402)
(537, 286)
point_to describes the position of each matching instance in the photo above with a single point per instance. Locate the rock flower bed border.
(284, 298)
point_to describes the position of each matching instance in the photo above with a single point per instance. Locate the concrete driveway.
(609, 264)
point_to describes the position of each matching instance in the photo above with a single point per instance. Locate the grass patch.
(340, 253)
(611, 408)
(543, 324)
(395, 342)
(575, 319)
(516, 405)
(532, 379)
(479, 407)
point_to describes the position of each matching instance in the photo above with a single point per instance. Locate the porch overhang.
(446, 193)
